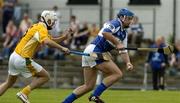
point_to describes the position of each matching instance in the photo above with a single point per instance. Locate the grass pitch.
(110, 96)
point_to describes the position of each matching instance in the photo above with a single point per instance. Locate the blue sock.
(70, 98)
(99, 89)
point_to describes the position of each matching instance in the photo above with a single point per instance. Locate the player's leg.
(90, 75)
(112, 73)
(155, 79)
(162, 78)
(40, 78)
(12, 74)
(40, 75)
(7, 84)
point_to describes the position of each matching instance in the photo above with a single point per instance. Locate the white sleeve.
(124, 42)
(108, 27)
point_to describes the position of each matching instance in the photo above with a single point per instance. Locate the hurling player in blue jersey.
(112, 35)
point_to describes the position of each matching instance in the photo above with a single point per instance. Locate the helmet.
(125, 12)
(49, 18)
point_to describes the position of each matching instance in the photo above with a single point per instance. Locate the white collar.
(122, 29)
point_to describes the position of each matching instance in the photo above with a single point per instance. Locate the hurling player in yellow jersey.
(21, 63)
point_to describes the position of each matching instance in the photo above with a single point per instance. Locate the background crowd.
(14, 22)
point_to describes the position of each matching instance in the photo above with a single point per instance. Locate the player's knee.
(1, 93)
(48, 77)
(118, 75)
(8, 84)
(89, 87)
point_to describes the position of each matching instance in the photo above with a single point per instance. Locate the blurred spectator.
(1, 7)
(1, 3)
(56, 31)
(17, 16)
(94, 30)
(81, 37)
(74, 24)
(38, 17)
(26, 22)
(157, 62)
(11, 38)
(8, 10)
(175, 58)
(59, 55)
(135, 32)
(43, 52)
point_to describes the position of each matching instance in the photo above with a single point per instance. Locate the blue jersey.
(156, 59)
(177, 54)
(115, 27)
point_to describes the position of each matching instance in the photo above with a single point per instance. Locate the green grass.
(110, 96)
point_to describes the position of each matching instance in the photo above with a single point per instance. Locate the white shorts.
(90, 61)
(21, 66)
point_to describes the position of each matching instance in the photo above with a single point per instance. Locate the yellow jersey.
(31, 40)
(94, 32)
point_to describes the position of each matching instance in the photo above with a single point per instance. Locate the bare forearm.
(59, 39)
(125, 57)
(53, 44)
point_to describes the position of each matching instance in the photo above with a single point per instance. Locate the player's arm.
(53, 44)
(60, 38)
(126, 59)
(111, 38)
(119, 45)
(68, 32)
(108, 31)
(125, 55)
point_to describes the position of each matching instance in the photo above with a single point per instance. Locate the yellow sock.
(26, 90)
